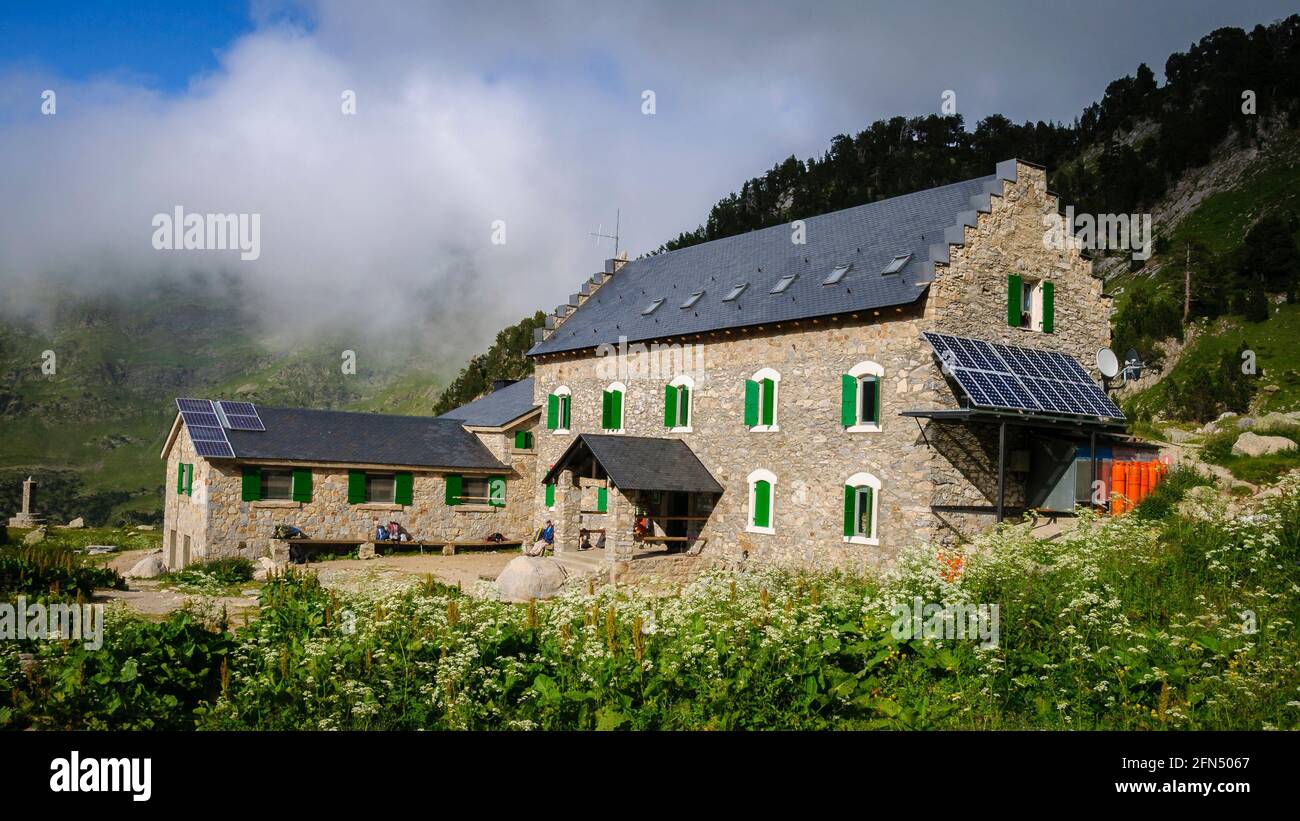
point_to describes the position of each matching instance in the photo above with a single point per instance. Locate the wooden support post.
(1092, 480)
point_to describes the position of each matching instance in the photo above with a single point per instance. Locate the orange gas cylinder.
(1144, 479)
(1118, 487)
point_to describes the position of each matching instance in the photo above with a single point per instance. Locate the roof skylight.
(692, 299)
(649, 309)
(837, 273)
(783, 283)
(735, 292)
(896, 264)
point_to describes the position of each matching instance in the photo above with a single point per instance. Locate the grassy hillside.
(94, 429)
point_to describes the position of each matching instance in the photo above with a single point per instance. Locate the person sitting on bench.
(381, 532)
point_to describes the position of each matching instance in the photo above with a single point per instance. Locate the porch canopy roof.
(639, 463)
(1078, 424)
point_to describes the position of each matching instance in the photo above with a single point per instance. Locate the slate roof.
(498, 408)
(867, 236)
(643, 463)
(301, 435)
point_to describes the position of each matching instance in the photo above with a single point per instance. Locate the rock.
(1225, 415)
(1201, 502)
(144, 527)
(1179, 436)
(265, 567)
(1252, 444)
(150, 567)
(95, 549)
(77, 523)
(1274, 420)
(1246, 423)
(35, 537)
(528, 577)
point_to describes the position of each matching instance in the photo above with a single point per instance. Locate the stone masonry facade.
(810, 453)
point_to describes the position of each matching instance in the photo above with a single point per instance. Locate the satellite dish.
(1107, 363)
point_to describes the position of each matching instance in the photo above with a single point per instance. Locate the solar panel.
(195, 418)
(203, 433)
(214, 449)
(197, 405)
(994, 375)
(242, 415)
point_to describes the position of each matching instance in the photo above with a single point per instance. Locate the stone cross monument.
(25, 517)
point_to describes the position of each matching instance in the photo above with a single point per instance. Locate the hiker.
(545, 538)
(381, 532)
(584, 539)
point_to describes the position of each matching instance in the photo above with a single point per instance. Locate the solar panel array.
(240, 415)
(1022, 379)
(205, 429)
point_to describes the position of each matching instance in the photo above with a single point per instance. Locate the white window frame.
(1031, 298)
(863, 369)
(622, 416)
(864, 479)
(684, 381)
(753, 479)
(561, 391)
(759, 376)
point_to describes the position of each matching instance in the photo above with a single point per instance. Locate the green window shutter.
(877, 388)
(848, 400)
(769, 401)
(868, 495)
(403, 488)
(550, 495)
(252, 486)
(189, 479)
(605, 404)
(602, 499)
(497, 491)
(850, 500)
(670, 406)
(1013, 300)
(616, 402)
(180, 478)
(566, 404)
(552, 412)
(301, 485)
(356, 487)
(751, 403)
(521, 439)
(762, 503)
(683, 406)
(1049, 307)
(453, 489)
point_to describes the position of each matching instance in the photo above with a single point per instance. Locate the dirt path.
(153, 598)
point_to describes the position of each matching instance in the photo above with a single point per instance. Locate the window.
(761, 393)
(861, 504)
(783, 283)
(762, 484)
(861, 392)
(277, 484)
(692, 299)
(735, 292)
(837, 273)
(523, 440)
(380, 487)
(652, 307)
(558, 406)
(1031, 304)
(611, 409)
(896, 264)
(184, 479)
(477, 490)
(677, 404)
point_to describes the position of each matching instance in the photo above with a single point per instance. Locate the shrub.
(1161, 502)
(45, 571)
(213, 573)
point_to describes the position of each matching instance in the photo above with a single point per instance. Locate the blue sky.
(469, 113)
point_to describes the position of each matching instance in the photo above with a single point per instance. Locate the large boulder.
(35, 537)
(1252, 444)
(528, 577)
(1178, 436)
(77, 523)
(263, 568)
(1274, 420)
(150, 567)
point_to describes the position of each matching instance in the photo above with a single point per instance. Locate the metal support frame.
(1002, 466)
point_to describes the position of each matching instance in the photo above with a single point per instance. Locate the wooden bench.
(449, 549)
(318, 543)
(370, 549)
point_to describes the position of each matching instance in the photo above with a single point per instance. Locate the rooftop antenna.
(618, 217)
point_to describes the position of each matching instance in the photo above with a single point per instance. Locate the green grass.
(1266, 469)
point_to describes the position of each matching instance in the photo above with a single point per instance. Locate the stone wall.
(810, 453)
(185, 516)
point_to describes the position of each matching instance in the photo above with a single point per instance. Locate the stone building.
(334, 475)
(820, 393)
(791, 364)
